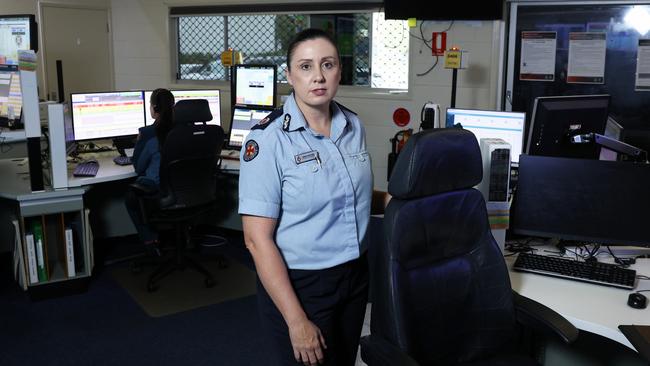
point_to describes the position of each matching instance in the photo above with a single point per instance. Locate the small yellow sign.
(452, 59)
(412, 22)
(230, 57)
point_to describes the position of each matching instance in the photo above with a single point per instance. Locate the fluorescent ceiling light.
(639, 19)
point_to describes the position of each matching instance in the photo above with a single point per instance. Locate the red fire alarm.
(438, 43)
(401, 117)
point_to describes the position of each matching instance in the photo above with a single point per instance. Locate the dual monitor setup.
(119, 114)
(571, 183)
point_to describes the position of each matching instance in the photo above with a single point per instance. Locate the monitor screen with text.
(243, 119)
(15, 35)
(255, 85)
(11, 98)
(508, 126)
(211, 95)
(106, 115)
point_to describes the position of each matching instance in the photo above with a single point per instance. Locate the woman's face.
(315, 72)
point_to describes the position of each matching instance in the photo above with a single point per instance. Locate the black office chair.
(440, 289)
(188, 183)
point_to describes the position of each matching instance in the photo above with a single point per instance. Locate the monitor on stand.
(117, 115)
(589, 201)
(508, 126)
(211, 95)
(255, 85)
(243, 119)
(557, 119)
(11, 97)
(17, 33)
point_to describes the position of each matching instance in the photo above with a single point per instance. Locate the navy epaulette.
(344, 108)
(265, 122)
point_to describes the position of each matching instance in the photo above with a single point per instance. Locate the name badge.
(306, 156)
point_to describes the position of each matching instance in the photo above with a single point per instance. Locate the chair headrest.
(436, 161)
(192, 110)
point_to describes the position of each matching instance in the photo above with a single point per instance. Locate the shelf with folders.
(52, 247)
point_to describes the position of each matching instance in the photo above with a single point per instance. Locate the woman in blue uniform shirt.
(146, 161)
(305, 193)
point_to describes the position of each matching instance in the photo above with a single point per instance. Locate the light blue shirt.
(318, 188)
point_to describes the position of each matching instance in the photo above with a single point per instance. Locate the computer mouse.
(637, 300)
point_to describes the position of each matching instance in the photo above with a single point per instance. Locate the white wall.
(142, 60)
(32, 7)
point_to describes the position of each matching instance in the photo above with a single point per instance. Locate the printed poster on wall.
(643, 66)
(587, 57)
(537, 62)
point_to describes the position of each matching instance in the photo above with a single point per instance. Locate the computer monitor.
(11, 99)
(107, 114)
(604, 202)
(557, 119)
(508, 126)
(211, 95)
(255, 85)
(17, 33)
(243, 119)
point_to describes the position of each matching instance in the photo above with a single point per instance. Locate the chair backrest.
(188, 111)
(188, 161)
(441, 290)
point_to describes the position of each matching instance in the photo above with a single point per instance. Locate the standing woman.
(305, 192)
(146, 162)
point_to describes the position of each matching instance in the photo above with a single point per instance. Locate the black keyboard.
(122, 160)
(86, 169)
(593, 272)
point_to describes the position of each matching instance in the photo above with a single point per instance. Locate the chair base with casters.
(178, 260)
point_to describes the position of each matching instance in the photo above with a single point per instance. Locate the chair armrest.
(543, 318)
(143, 189)
(376, 351)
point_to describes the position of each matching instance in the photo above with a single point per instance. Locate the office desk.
(593, 308)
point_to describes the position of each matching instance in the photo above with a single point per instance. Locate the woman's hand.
(307, 341)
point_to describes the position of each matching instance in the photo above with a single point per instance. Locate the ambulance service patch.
(252, 149)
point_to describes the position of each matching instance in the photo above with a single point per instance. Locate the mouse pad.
(639, 336)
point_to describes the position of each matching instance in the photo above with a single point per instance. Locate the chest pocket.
(300, 186)
(360, 168)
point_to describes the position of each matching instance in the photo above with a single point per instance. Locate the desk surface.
(593, 308)
(15, 183)
(108, 170)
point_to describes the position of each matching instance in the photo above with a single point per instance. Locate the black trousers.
(334, 299)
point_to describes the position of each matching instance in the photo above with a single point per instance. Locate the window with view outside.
(263, 39)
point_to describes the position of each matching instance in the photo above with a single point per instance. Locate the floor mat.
(185, 290)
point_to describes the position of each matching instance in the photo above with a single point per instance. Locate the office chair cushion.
(435, 161)
(192, 110)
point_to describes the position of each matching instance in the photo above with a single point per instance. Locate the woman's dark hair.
(162, 101)
(306, 35)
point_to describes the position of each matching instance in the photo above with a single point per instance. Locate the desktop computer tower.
(495, 185)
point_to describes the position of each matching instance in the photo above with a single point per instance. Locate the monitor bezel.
(104, 92)
(235, 72)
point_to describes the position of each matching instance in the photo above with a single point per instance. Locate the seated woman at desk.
(146, 161)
